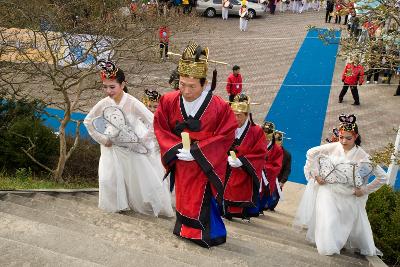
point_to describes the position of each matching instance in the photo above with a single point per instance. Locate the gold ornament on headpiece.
(241, 103)
(191, 64)
(151, 96)
(194, 61)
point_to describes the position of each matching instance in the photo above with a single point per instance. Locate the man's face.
(240, 118)
(190, 88)
(236, 72)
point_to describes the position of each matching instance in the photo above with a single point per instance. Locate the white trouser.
(243, 24)
(296, 6)
(302, 7)
(282, 6)
(224, 13)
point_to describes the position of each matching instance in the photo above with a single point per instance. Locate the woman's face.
(347, 139)
(113, 88)
(152, 106)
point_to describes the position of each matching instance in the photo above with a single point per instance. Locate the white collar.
(122, 101)
(239, 131)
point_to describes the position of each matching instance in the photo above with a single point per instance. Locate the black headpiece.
(108, 70)
(347, 122)
(152, 96)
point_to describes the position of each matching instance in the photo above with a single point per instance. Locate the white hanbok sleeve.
(143, 122)
(381, 178)
(94, 113)
(311, 168)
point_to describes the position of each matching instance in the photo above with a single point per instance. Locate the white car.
(211, 8)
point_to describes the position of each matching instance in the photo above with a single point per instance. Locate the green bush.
(20, 123)
(18, 136)
(383, 209)
(83, 164)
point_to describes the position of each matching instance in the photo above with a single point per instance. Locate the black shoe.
(356, 104)
(228, 217)
(340, 100)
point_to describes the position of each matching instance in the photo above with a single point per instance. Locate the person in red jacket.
(353, 74)
(234, 83)
(164, 34)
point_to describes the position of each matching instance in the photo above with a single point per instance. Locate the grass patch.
(23, 183)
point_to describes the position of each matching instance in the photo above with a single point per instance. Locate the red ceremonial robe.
(197, 182)
(273, 164)
(242, 184)
(272, 168)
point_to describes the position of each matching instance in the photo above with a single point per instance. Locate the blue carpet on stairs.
(300, 106)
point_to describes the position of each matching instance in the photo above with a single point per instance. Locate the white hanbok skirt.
(335, 219)
(129, 180)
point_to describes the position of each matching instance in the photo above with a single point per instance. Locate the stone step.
(143, 227)
(14, 253)
(269, 227)
(240, 238)
(236, 250)
(73, 244)
(132, 241)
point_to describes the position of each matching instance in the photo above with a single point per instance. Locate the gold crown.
(240, 107)
(191, 64)
(241, 103)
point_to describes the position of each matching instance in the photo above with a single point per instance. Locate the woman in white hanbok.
(130, 169)
(333, 204)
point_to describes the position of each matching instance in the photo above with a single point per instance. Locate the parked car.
(211, 8)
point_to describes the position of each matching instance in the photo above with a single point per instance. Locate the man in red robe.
(243, 177)
(272, 167)
(199, 173)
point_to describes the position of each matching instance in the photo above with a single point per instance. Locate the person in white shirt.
(244, 18)
(225, 9)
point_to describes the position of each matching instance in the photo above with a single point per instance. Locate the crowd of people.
(208, 159)
(382, 54)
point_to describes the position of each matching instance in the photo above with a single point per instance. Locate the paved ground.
(265, 53)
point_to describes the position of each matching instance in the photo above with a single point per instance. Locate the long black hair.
(358, 139)
(120, 78)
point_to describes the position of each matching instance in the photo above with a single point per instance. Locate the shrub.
(17, 137)
(83, 163)
(20, 122)
(383, 209)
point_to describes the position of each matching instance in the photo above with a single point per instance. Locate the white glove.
(235, 163)
(184, 155)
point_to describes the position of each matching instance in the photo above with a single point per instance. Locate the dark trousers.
(387, 74)
(163, 49)
(373, 72)
(345, 19)
(272, 8)
(354, 92)
(338, 19)
(328, 17)
(231, 98)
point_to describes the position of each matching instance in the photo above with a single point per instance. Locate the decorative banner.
(80, 51)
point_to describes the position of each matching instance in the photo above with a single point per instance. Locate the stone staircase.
(67, 229)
